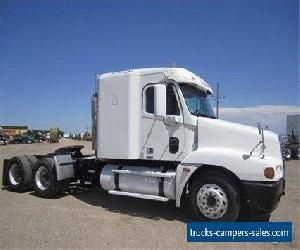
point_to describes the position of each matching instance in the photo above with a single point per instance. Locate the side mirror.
(259, 128)
(159, 100)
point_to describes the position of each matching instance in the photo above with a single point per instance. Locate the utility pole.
(218, 97)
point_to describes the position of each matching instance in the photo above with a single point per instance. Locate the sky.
(51, 50)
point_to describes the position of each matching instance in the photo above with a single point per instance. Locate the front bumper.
(263, 197)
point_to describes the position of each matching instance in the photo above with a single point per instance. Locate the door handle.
(173, 145)
(173, 120)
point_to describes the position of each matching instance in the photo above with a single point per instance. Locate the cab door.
(162, 123)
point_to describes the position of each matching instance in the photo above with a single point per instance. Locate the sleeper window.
(149, 100)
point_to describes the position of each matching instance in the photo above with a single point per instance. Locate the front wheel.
(214, 197)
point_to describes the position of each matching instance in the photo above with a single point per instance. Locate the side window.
(172, 104)
(149, 100)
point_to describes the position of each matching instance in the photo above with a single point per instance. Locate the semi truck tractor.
(156, 137)
(291, 144)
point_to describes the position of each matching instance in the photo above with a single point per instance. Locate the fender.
(245, 167)
(64, 166)
(183, 174)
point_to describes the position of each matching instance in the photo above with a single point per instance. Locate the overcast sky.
(271, 116)
(51, 50)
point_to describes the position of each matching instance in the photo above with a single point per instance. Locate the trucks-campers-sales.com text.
(240, 233)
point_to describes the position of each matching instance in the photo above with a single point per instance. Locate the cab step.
(137, 195)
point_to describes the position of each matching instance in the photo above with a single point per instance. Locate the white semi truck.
(156, 137)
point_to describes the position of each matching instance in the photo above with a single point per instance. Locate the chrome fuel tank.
(139, 179)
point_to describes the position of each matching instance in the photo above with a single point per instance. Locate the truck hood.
(222, 134)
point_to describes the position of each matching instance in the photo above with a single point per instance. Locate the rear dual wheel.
(19, 176)
(44, 179)
(26, 173)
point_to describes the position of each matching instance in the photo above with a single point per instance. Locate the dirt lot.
(93, 219)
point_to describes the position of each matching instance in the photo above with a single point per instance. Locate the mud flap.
(5, 172)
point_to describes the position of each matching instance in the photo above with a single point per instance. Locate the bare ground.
(93, 219)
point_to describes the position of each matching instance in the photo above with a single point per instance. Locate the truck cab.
(150, 114)
(156, 137)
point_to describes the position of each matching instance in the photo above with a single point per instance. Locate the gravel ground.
(93, 219)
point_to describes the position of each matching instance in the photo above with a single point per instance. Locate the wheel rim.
(42, 178)
(15, 174)
(287, 153)
(212, 201)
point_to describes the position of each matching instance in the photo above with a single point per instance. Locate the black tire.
(294, 154)
(288, 154)
(19, 175)
(52, 186)
(209, 181)
(32, 159)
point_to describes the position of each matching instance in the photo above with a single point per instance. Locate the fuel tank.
(139, 179)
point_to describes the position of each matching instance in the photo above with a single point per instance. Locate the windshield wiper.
(198, 112)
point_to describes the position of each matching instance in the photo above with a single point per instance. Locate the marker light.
(269, 173)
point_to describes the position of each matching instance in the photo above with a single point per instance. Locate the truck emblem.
(114, 99)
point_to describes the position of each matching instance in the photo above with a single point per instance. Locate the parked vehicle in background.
(3, 140)
(23, 139)
(37, 136)
(40, 137)
(53, 135)
(291, 141)
(87, 136)
(66, 135)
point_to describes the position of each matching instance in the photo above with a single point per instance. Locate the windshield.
(197, 101)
